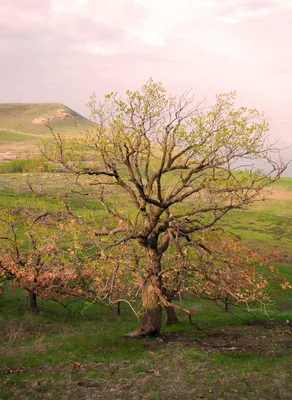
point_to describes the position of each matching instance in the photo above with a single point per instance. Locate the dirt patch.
(259, 337)
(18, 152)
(277, 194)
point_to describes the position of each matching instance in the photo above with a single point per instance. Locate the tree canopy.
(164, 171)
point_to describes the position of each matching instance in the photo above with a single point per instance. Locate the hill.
(23, 125)
(34, 117)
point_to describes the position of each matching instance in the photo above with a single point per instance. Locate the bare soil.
(259, 338)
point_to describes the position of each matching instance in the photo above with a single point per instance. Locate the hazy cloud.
(63, 50)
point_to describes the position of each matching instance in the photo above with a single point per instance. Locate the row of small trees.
(163, 172)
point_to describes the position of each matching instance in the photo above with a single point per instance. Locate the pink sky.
(63, 50)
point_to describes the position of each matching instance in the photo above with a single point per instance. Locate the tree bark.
(152, 318)
(170, 311)
(171, 316)
(33, 302)
(226, 301)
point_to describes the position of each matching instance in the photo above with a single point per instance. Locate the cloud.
(243, 10)
(227, 19)
(31, 17)
(62, 50)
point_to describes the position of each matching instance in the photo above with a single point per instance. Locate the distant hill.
(23, 125)
(34, 117)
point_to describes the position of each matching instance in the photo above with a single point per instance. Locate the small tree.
(164, 170)
(34, 254)
(225, 270)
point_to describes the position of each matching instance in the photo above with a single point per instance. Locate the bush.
(19, 166)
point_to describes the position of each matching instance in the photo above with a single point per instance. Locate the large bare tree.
(164, 169)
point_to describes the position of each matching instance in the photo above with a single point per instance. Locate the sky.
(63, 50)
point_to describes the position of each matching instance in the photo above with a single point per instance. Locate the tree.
(34, 254)
(164, 170)
(226, 271)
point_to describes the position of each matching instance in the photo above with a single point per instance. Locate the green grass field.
(264, 226)
(6, 137)
(81, 353)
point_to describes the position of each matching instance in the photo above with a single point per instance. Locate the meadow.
(80, 351)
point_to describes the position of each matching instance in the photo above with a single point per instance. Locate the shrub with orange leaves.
(34, 254)
(220, 266)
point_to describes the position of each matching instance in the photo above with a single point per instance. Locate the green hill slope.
(34, 117)
(23, 125)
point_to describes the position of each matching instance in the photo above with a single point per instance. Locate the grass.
(69, 354)
(80, 204)
(284, 183)
(17, 166)
(265, 225)
(6, 137)
(82, 354)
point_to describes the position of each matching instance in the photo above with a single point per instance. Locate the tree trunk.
(170, 311)
(152, 318)
(33, 302)
(226, 304)
(171, 316)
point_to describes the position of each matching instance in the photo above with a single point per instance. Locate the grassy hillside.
(266, 225)
(80, 353)
(23, 125)
(33, 117)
